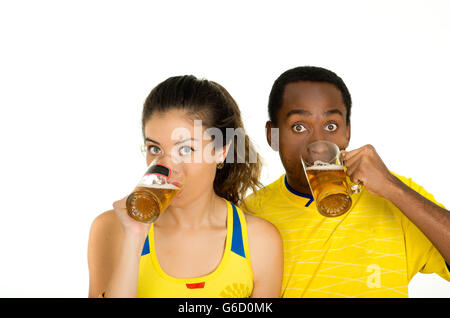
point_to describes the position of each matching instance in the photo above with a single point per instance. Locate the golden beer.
(330, 189)
(146, 203)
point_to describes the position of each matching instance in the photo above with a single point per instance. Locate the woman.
(202, 245)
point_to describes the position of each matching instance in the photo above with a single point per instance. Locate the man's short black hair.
(305, 73)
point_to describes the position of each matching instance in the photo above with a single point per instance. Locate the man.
(394, 228)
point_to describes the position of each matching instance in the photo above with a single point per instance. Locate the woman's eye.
(185, 150)
(298, 128)
(331, 127)
(153, 150)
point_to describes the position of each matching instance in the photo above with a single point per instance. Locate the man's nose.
(317, 134)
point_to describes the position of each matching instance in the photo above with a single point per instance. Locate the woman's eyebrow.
(151, 140)
(178, 142)
(181, 141)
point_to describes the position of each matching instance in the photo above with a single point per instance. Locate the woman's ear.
(222, 155)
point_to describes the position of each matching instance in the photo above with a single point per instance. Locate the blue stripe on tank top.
(237, 243)
(146, 248)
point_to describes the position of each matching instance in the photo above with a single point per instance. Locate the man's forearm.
(430, 218)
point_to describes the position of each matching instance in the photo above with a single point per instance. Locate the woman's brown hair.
(211, 103)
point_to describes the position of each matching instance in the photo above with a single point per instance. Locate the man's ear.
(348, 133)
(272, 135)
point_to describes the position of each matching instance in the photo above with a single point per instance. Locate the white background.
(74, 75)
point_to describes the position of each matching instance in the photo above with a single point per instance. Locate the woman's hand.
(130, 226)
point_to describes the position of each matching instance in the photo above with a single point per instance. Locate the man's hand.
(365, 166)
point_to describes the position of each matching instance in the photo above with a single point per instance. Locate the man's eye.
(298, 128)
(185, 150)
(331, 127)
(153, 150)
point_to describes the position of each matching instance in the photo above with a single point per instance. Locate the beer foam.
(325, 167)
(160, 186)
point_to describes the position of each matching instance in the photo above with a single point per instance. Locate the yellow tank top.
(232, 278)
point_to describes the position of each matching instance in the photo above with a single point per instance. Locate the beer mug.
(327, 179)
(153, 193)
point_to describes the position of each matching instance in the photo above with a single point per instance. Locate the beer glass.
(153, 193)
(327, 179)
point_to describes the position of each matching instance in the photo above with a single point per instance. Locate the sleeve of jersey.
(421, 254)
(251, 204)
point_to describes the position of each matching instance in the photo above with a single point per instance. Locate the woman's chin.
(177, 201)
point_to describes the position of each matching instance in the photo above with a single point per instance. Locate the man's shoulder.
(261, 197)
(414, 186)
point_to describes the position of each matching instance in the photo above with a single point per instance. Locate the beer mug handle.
(356, 188)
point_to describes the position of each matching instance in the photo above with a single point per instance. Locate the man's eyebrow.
(332, 112)
(298, 112)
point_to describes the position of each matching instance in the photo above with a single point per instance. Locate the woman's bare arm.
(266, 255)
(115, 247)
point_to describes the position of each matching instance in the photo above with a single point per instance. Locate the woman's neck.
(204, 210)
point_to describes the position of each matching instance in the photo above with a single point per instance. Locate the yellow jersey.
(232, 278)
(371, 251)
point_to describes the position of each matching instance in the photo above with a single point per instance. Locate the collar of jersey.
(297, 195)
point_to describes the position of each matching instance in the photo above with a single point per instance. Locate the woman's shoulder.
(258, 228)
(264, 240)
(106, 226)
(261, 229)
(107, 218)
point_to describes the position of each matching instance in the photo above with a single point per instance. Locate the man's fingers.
(354, 158)
(353, 172)
(369, 149)
(353, 165)
(352, 153)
